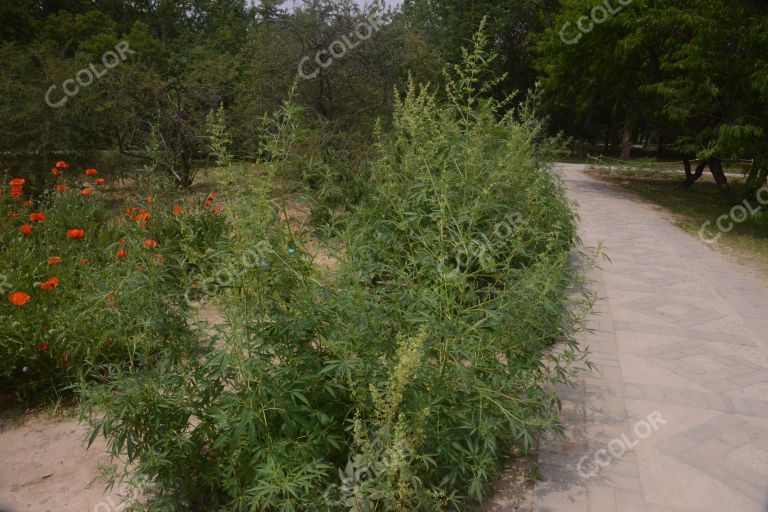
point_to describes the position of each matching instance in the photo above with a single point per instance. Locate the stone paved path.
(677, 418)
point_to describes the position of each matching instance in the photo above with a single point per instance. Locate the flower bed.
(87, 284)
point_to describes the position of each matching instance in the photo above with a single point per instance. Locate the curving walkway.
(677, 418)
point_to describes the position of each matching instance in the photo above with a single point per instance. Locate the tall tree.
(450, 25)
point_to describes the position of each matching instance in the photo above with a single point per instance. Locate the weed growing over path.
(400, 382)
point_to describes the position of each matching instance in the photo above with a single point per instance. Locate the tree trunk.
(692, 177)
(755, 178)
(716, 166)
(626, 143)
(615, 139)
(582, 143)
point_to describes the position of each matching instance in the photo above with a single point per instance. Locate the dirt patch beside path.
(45, 467)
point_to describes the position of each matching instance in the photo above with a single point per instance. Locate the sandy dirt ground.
(514, 489)
(45, 467)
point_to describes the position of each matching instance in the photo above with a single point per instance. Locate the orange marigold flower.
(150, 244)
(61, 164)
(87, 191)
(61, 188)
(54, 260)
(50, 284)
(217, 209)
(101, 181)
(43, 347)
(122, 254)
(17, 187)
(19, 298)
(91, 172)
(26, 229)
(76, 233)
(143, 217)
(37, 217)
(150, 199)
(28, 202)
(178, 210)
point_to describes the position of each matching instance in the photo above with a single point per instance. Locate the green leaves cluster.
(398, 381)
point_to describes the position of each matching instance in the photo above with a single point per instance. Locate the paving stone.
(602, 498)
(700, 332)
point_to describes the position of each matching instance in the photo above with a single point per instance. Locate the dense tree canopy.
(692, 76)
(691, 72)
(184, 59)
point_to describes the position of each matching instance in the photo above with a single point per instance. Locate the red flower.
(56, 171)
(212, 196)
(54, 260)
(217, 209)
(61, 164)
(208, 202)
(17, 187)
(122, 254)
(91, 172)
(143, 218)
(14, 215)
(150, 199)
(86, 191)
(43, 347)
(130, 211)
(19, 298)
(26, 229)
(178, 210)
(37, 217)
(76, 233)
(84, 261)
(150, 244)
(61, 188)
(50, 285)
(101, 181)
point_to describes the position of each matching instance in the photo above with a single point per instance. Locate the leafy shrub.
(93, 283)
(400, 381)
